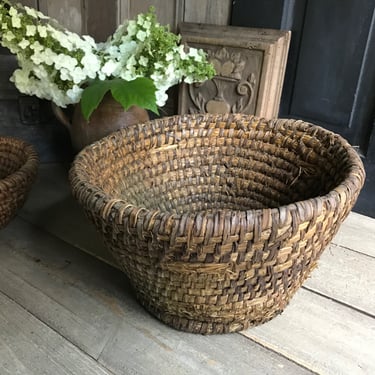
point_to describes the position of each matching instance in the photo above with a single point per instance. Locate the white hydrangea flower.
(161, 97)
(140, 19)
(16, 22)
(65, 74)
(37, 58)
(58, 70)
(12, 11)
(128, 74)
(78, 75)
(102, 76)
(141, 35)
(121, 30)
(65, 41)
(91, 63)
(158, 66)
(20, 78)
(41, 16)
(9, 36)
(49, 56)
(40, 72)
(195, 54)
(74, 94)
(147, 25)
(189, 79)
(87, 43)
(131, 62)
(42, 31)
(30, 30)
(169, 56)
(170, 71)
(143, 61)
(37, 47)
(126, 49)
(31, 12)
(110, 67)
(181, 52)
(24, 43)
(65, 61)
(113, 51)
(132, 28)
(75, 39)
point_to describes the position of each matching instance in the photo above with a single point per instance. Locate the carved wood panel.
(250, 66)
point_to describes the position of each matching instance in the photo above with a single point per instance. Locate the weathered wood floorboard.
(91, 304)
(141, 345)
(322, 335)
(29, 347)
(357, 233)
(346, 276)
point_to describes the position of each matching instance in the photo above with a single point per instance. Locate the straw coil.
(217, 219)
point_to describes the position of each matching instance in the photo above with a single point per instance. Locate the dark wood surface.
(330, 75)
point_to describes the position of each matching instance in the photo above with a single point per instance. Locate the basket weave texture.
(18, 169)
(217, 219)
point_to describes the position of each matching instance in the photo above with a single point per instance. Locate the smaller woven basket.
(217, 219)
(18, 169)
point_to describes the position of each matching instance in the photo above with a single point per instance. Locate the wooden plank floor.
(63, 311)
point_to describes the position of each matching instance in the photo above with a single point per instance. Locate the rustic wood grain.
(346, 276)
(29, 347)
(30, 3)
(358, 235)
(40, 273)
(322, 335)
(314, 331)
(208, 11)
(69, 13)
(169, 12)
(100, 19)
(80, 298)
(144, 344)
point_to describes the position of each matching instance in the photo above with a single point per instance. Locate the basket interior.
(221, 167)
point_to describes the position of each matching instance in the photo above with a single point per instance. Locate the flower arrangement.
(137, 64)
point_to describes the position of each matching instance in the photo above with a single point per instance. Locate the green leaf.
(139, 92)
(92, 96)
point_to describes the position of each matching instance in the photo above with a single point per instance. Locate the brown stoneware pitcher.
(107, 118)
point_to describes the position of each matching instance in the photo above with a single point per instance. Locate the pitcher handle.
(61, 116)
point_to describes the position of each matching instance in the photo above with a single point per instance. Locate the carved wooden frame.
(250, 65)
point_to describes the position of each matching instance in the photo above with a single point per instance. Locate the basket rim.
(306, 209)
(29, 167)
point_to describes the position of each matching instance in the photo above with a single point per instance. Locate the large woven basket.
(18, 169)
(217, 219)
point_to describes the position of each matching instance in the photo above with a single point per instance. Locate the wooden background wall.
(99, 18)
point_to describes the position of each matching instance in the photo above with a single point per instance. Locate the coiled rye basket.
(217, 219)
(18, 168)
